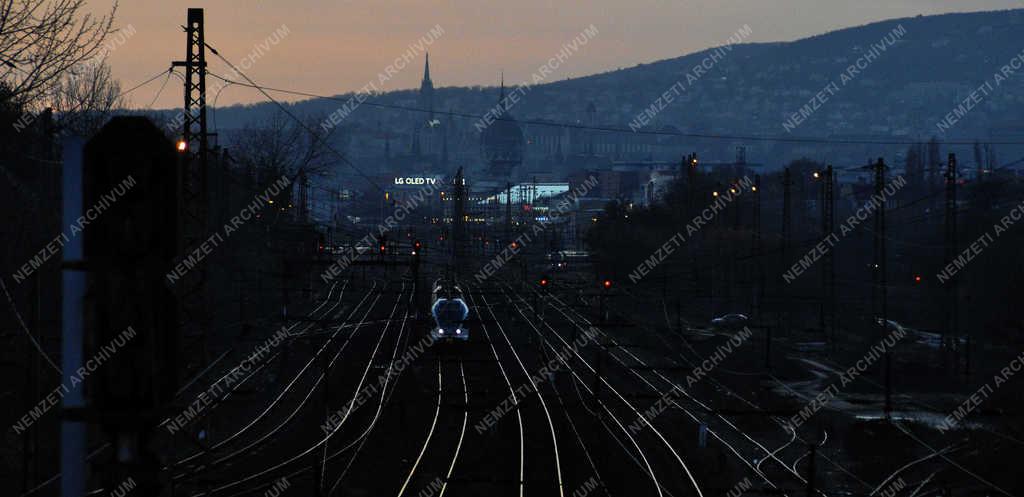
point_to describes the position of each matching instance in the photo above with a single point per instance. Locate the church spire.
(426, 69)
(501, 97)
(426, 98)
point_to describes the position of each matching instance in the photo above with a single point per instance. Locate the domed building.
(501, 143)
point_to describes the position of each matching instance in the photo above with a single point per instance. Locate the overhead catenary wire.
(136, 87)
(161, 90)
(126, 92)
(290, 114)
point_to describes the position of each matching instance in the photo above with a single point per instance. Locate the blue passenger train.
(450, 311)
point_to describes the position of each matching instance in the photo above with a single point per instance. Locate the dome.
(502, 142)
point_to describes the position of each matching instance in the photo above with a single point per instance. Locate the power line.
(136, 87)
(161, 90)
(618, 129)
(284, 109)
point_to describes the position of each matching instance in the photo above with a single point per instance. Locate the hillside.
(932, 65)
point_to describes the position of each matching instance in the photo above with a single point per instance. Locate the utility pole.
(734, 190)
(949, 340)
(73, 289)
(786, 235)
(419, 295)
(303, 197)
(691, 185)
(757, 243)
(458, 219)
(880, 278)
(508, 213)
(690, 163)
(193, 191)
(828, 220)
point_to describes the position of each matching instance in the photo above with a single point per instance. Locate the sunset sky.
(340, 45)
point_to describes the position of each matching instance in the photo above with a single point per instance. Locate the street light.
(182, 146)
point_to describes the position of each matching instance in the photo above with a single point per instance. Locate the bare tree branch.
(83, 101)
(43, 39)
(279, 146)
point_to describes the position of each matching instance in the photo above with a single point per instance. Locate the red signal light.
(917, 278)
(606, 284)
(544, 282)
